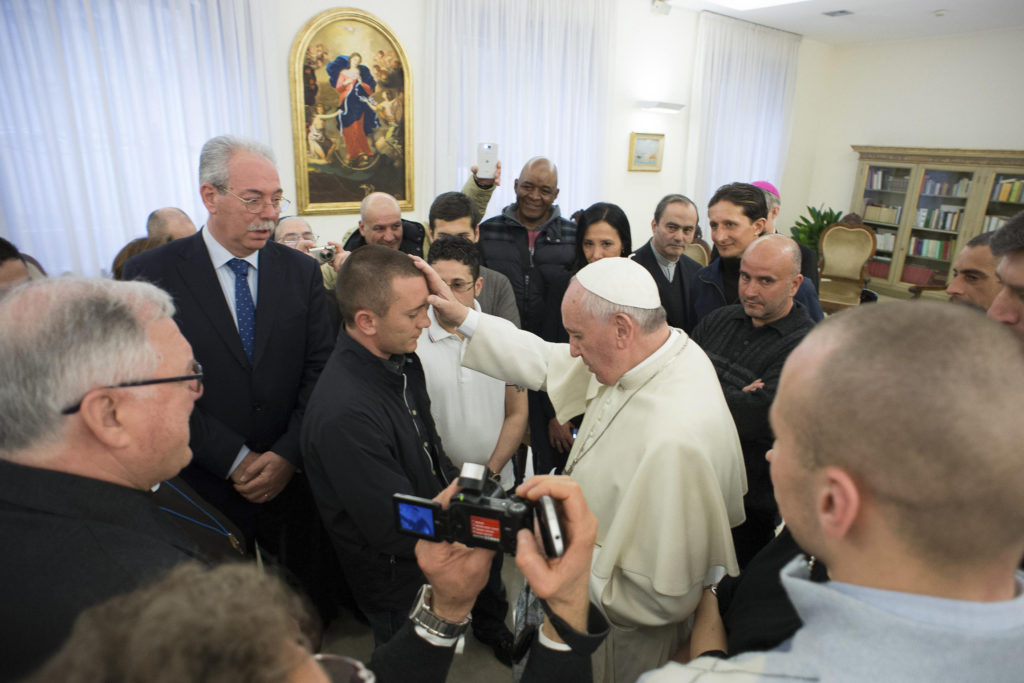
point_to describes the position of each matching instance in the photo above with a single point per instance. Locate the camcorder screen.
(416, 519)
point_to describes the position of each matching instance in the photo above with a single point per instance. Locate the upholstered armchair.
(844, 252)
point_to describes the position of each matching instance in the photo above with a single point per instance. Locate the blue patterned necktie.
(244, 309)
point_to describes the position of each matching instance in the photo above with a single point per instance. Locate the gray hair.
(64, 337)
(217, 152)
(647, 319)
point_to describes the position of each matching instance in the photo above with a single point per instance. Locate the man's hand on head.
(264, 477)
(450, 312)
(561, 581)
(456, 573)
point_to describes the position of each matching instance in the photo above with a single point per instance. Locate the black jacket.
(361, 444)
(69, 543)
(678, 302)
(413, 236)
(505, 244)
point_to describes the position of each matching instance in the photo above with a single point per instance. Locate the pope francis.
(656, 456)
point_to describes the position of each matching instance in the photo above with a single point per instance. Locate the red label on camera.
(484, 527)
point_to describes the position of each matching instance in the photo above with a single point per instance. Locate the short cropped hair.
(217, 152)
(365, 280)
(982, 240)
(456, 248)
(904, 402)
(1010, 237)
(64, 337)
(649, 320)
(451, 206)
(229, 623)
(750, 198)
(156, 222)
(659, 210)
(789, 248)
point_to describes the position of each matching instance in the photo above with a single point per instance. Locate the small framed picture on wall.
(646, 151)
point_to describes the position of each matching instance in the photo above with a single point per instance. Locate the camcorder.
(480, 515)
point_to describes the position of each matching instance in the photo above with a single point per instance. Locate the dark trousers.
(386, 624)
(491, 605)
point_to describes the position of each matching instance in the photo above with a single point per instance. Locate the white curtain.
(743, 96)
(529, 75)
(106, 105)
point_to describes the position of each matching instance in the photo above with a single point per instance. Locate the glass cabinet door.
(1005, 200)
(938, 221)
(885, 193)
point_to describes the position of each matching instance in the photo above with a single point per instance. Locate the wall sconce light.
(660, 107)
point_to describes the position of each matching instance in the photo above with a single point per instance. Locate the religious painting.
(646, 151)
(351, 113)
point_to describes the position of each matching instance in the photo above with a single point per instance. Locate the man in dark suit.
(255, 314)
(673, 228)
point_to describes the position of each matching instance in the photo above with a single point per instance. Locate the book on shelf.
(942, 188)
(992, 223)
(945, 217)
(882, 213)
(1008, 190)
(884, 179)
(928, 248)
(885, 241)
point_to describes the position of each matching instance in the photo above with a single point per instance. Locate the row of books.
(937, 249)
(943, 218)
(1009, 190)
(882, 213)
(992, 223)
(885, 241)
(932, 186)
(883, 179)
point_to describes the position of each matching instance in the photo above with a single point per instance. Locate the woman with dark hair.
(603, 231)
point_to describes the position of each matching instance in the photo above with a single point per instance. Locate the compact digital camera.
(324, 254)
(480, 515)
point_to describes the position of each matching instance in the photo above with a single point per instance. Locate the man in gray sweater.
(898, 463)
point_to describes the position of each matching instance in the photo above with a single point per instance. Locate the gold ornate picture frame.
(646, 151)
(351, 113)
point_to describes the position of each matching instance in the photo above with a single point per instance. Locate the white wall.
(959, 91)
(653, 60)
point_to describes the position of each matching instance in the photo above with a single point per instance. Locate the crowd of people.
(198, 458)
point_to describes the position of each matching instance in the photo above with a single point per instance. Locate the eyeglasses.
(460, 285)
(292, 238)
(196, 378)
(256, 204)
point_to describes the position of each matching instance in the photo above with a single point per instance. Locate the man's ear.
(209, 193)
(760, 225)
(478, 286)
(838, 503)
(104, 417)
(365, 321)
(476, 233)
(794, 285)
(624, 328)
(654, 226)
(362, 230)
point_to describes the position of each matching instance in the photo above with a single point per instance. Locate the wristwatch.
(435, 625)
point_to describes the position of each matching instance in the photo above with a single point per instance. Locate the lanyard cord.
(220, 528)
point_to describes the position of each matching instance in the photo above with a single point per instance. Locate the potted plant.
(807, 230)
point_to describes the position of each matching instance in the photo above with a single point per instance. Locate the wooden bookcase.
(925, 204)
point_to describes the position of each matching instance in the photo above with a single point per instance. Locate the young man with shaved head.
(748, 342)
(898, 463)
